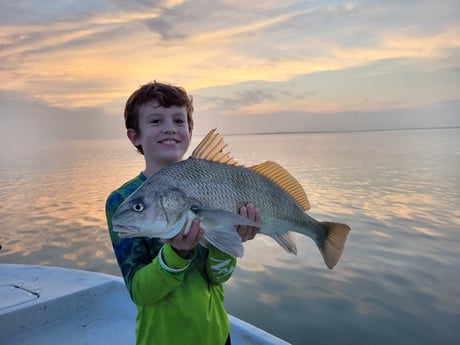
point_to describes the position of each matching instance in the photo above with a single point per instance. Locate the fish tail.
(332, 246)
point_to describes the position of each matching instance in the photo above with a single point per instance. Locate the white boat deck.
(49, 305)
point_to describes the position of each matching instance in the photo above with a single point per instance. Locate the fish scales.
(218, 185)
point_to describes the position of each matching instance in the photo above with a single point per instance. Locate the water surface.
(398, 279)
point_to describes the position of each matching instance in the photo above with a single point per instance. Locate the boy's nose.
(169, 129)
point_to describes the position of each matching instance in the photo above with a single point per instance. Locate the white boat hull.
(50, 305)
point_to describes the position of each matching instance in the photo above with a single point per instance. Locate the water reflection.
(53, 202)
(397, 281)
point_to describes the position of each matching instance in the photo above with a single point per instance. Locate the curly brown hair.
(167, 95)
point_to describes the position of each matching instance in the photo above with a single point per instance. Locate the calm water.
(398, 281)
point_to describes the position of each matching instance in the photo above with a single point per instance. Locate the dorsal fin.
(277, 174)
(211, 148)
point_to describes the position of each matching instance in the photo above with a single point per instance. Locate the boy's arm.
(219, 266)
(159, 278)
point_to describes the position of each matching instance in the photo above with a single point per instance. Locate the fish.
(212, 186)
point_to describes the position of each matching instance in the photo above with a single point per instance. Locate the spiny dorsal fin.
(211, 149)
(277, 174)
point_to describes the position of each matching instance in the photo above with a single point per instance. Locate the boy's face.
(164, 134)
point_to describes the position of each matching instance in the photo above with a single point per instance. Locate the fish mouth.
(125, 231)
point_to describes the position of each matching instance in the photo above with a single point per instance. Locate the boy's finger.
(250, 211)
(243, 211)
(258, 218)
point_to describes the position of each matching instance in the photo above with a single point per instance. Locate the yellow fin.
(211, 149)
(277, 174)
(332, 247)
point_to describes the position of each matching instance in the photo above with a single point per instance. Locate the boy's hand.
(182, 244)
(249, 232)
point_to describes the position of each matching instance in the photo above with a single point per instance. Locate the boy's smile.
(168, 142)
(164, 135)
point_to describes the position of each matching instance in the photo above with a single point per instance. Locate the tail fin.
(334, 242)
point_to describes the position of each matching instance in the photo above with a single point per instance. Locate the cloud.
(387, 84)
(240, 98)
(164, 28)
(238, 57)
(435, 116)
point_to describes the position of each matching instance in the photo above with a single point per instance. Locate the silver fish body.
(216, 185)
(214, 192)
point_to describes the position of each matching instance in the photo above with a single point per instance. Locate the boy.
(175, 283)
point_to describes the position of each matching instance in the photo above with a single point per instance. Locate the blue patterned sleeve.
(131, 253)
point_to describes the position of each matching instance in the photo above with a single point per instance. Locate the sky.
(67, 67)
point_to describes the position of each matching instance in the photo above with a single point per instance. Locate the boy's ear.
(132, 135)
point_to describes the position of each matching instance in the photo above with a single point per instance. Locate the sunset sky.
(67, 67)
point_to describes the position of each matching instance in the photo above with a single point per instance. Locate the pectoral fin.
(219, 226)
(214, 218)
(226, 240)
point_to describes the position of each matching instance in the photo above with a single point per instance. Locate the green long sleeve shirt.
(172, 308)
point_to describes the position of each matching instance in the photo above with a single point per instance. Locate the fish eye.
(138, 207)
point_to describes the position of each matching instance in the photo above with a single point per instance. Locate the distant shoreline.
(197, 135)
(340, 131)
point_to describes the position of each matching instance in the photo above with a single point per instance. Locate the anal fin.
(285, 240)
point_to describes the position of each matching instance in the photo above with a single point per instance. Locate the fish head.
(160, 214)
